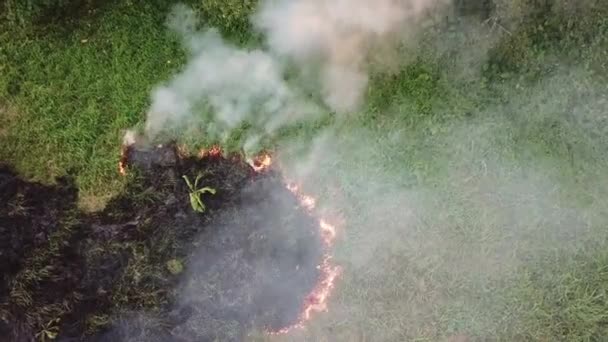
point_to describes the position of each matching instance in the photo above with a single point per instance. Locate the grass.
(482, 198)
(74, 92)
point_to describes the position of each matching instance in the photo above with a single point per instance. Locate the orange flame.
(128, 139)
(214, 152)
(122, 162)
(328, 232)
(261, 163)
(316, 301)
(306, 201)
(182, 150)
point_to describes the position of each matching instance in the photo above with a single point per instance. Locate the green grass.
(73, 93)
(474, 205)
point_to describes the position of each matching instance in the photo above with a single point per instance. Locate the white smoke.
(233, 84)
(340, 36)
(332, 44)
(437, 219)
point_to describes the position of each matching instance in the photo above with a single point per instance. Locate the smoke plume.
(447, 211)
(330, 45)
(443, 230)
(340, 38)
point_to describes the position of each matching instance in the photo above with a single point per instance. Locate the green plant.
(195, 193)
(175, 266)
(49, 331)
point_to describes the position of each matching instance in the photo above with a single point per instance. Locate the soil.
(149, 267)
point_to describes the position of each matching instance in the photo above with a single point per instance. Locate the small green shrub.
(195, 193)
(175, 266)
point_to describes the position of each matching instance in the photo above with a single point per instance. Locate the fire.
(128, 139)
(182, 150)
(316, 301)
(214, 152)
(261, 163)
(328, 232)
(308, 202)
(122, 162)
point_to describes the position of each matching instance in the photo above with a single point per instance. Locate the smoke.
(447, 211)
(340, 38)
(255, 267)
(233, 85)
(330, 46)
(450, 233)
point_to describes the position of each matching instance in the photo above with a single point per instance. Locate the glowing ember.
(128, 139)
(182, 151)
(122, 163)
(316, 301)
(306, 201)
(292, 187)
(214, 152)
(328, 231)
(261, 163)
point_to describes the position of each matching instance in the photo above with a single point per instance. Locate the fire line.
(316, 300)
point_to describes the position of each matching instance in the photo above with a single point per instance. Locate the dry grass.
(93, 202)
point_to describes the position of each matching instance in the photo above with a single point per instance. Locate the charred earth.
(149, 267)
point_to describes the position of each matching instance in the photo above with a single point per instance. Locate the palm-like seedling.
(195, 193)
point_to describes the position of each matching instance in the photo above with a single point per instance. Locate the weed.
(175, 266)
(49, 330)
(195, 193)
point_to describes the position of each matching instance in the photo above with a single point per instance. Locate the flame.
(182, 150)
(214, 152)
(129, 139)
(308, 202)
(122, 162)
(261, 163)
(316, 301)
(328, 232)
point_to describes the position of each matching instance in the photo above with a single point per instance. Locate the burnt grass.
(148, 267)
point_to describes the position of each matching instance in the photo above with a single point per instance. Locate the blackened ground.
(36, 252)
(149, 268)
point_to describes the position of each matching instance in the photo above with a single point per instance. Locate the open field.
(471, 182)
